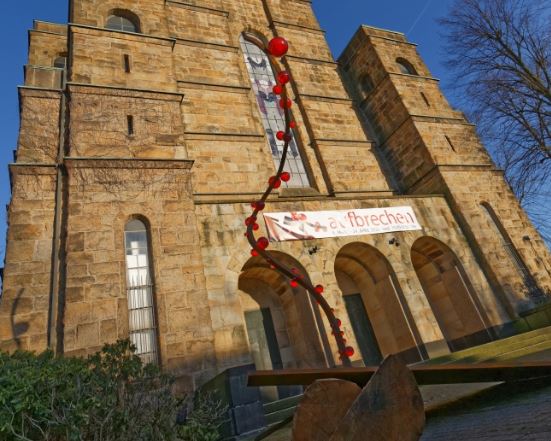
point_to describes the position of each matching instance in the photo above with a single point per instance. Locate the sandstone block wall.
(172, 134)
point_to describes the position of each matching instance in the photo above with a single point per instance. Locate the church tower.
(148, 127)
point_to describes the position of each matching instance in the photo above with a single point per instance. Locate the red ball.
(285, 104)
(283, 77)
(273, 181)
(277, 89)
(339, 323)
(278, 46)
(285, 176)
(280, 135)
(259, 205)
(262, 243)
(292, 124)
(293, 283)
(254, 253)
(348, 351)
(318, 289)
(250, 220)
(255, 227)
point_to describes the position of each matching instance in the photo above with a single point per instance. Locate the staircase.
(278, 411)
(510, 348)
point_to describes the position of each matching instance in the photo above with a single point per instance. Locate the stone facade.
(162, 125)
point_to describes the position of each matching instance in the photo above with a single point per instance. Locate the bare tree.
(499, 53)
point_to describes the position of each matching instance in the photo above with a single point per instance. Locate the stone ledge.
(136, 36)
(193, 7)
(124, 91)
(128, 163)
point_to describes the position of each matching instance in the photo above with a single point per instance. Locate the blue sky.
(416, 18)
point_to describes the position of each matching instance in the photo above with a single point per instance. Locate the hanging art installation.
(277, 48)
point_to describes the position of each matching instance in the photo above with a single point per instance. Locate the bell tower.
(433, 149)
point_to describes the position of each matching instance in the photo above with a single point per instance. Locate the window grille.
(119, 23)
(141, 312)
(273, 119)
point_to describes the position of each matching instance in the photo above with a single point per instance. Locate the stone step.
(280, 415)
(526, 343)
(282, 404)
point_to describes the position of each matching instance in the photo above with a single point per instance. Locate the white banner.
(302, 225)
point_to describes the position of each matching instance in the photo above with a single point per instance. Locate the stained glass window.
(273, 118)
(141, 314)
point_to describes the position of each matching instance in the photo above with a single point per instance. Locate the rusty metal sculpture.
(276, 48)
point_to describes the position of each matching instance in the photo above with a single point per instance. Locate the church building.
(149, 126)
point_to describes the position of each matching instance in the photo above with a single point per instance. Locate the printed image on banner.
(321, 224)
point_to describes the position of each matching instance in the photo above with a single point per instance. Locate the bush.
(106, 397)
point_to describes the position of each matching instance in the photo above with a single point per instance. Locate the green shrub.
(106, 397)
(205, 419)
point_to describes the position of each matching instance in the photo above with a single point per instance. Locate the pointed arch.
(450, 293)
(512, 252)
(367, 280)
(284, 326)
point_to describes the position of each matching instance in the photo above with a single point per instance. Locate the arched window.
(514, 255)
(60, 62)
(405, 66)
(366, 84)
(263, 80)
(122, 20)
(141, 306)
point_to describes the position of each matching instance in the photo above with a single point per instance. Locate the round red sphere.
(262, 243)
(283, 77)
(292, 124)
(318, 289)
(277, 89)
(275, 182)
(339, 323)
(278, 46)
(293, 283)
(280, 135)
(285, 104)
(250, 220)
(348, 351)
(254, 253)
(256, 227)
(285, 176)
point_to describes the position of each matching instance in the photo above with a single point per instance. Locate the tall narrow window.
(126, 60)
(141, 312)
(130, 124)
(515, 257)
(425, 99)
(263, 80)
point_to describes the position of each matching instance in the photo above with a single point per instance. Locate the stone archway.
(450, 294)
(376, 306)
(281, 323)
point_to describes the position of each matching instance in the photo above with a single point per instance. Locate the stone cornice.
(128, 163)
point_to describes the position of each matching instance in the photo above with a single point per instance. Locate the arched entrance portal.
(281, 322)
(450, 294)
(376, 306)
